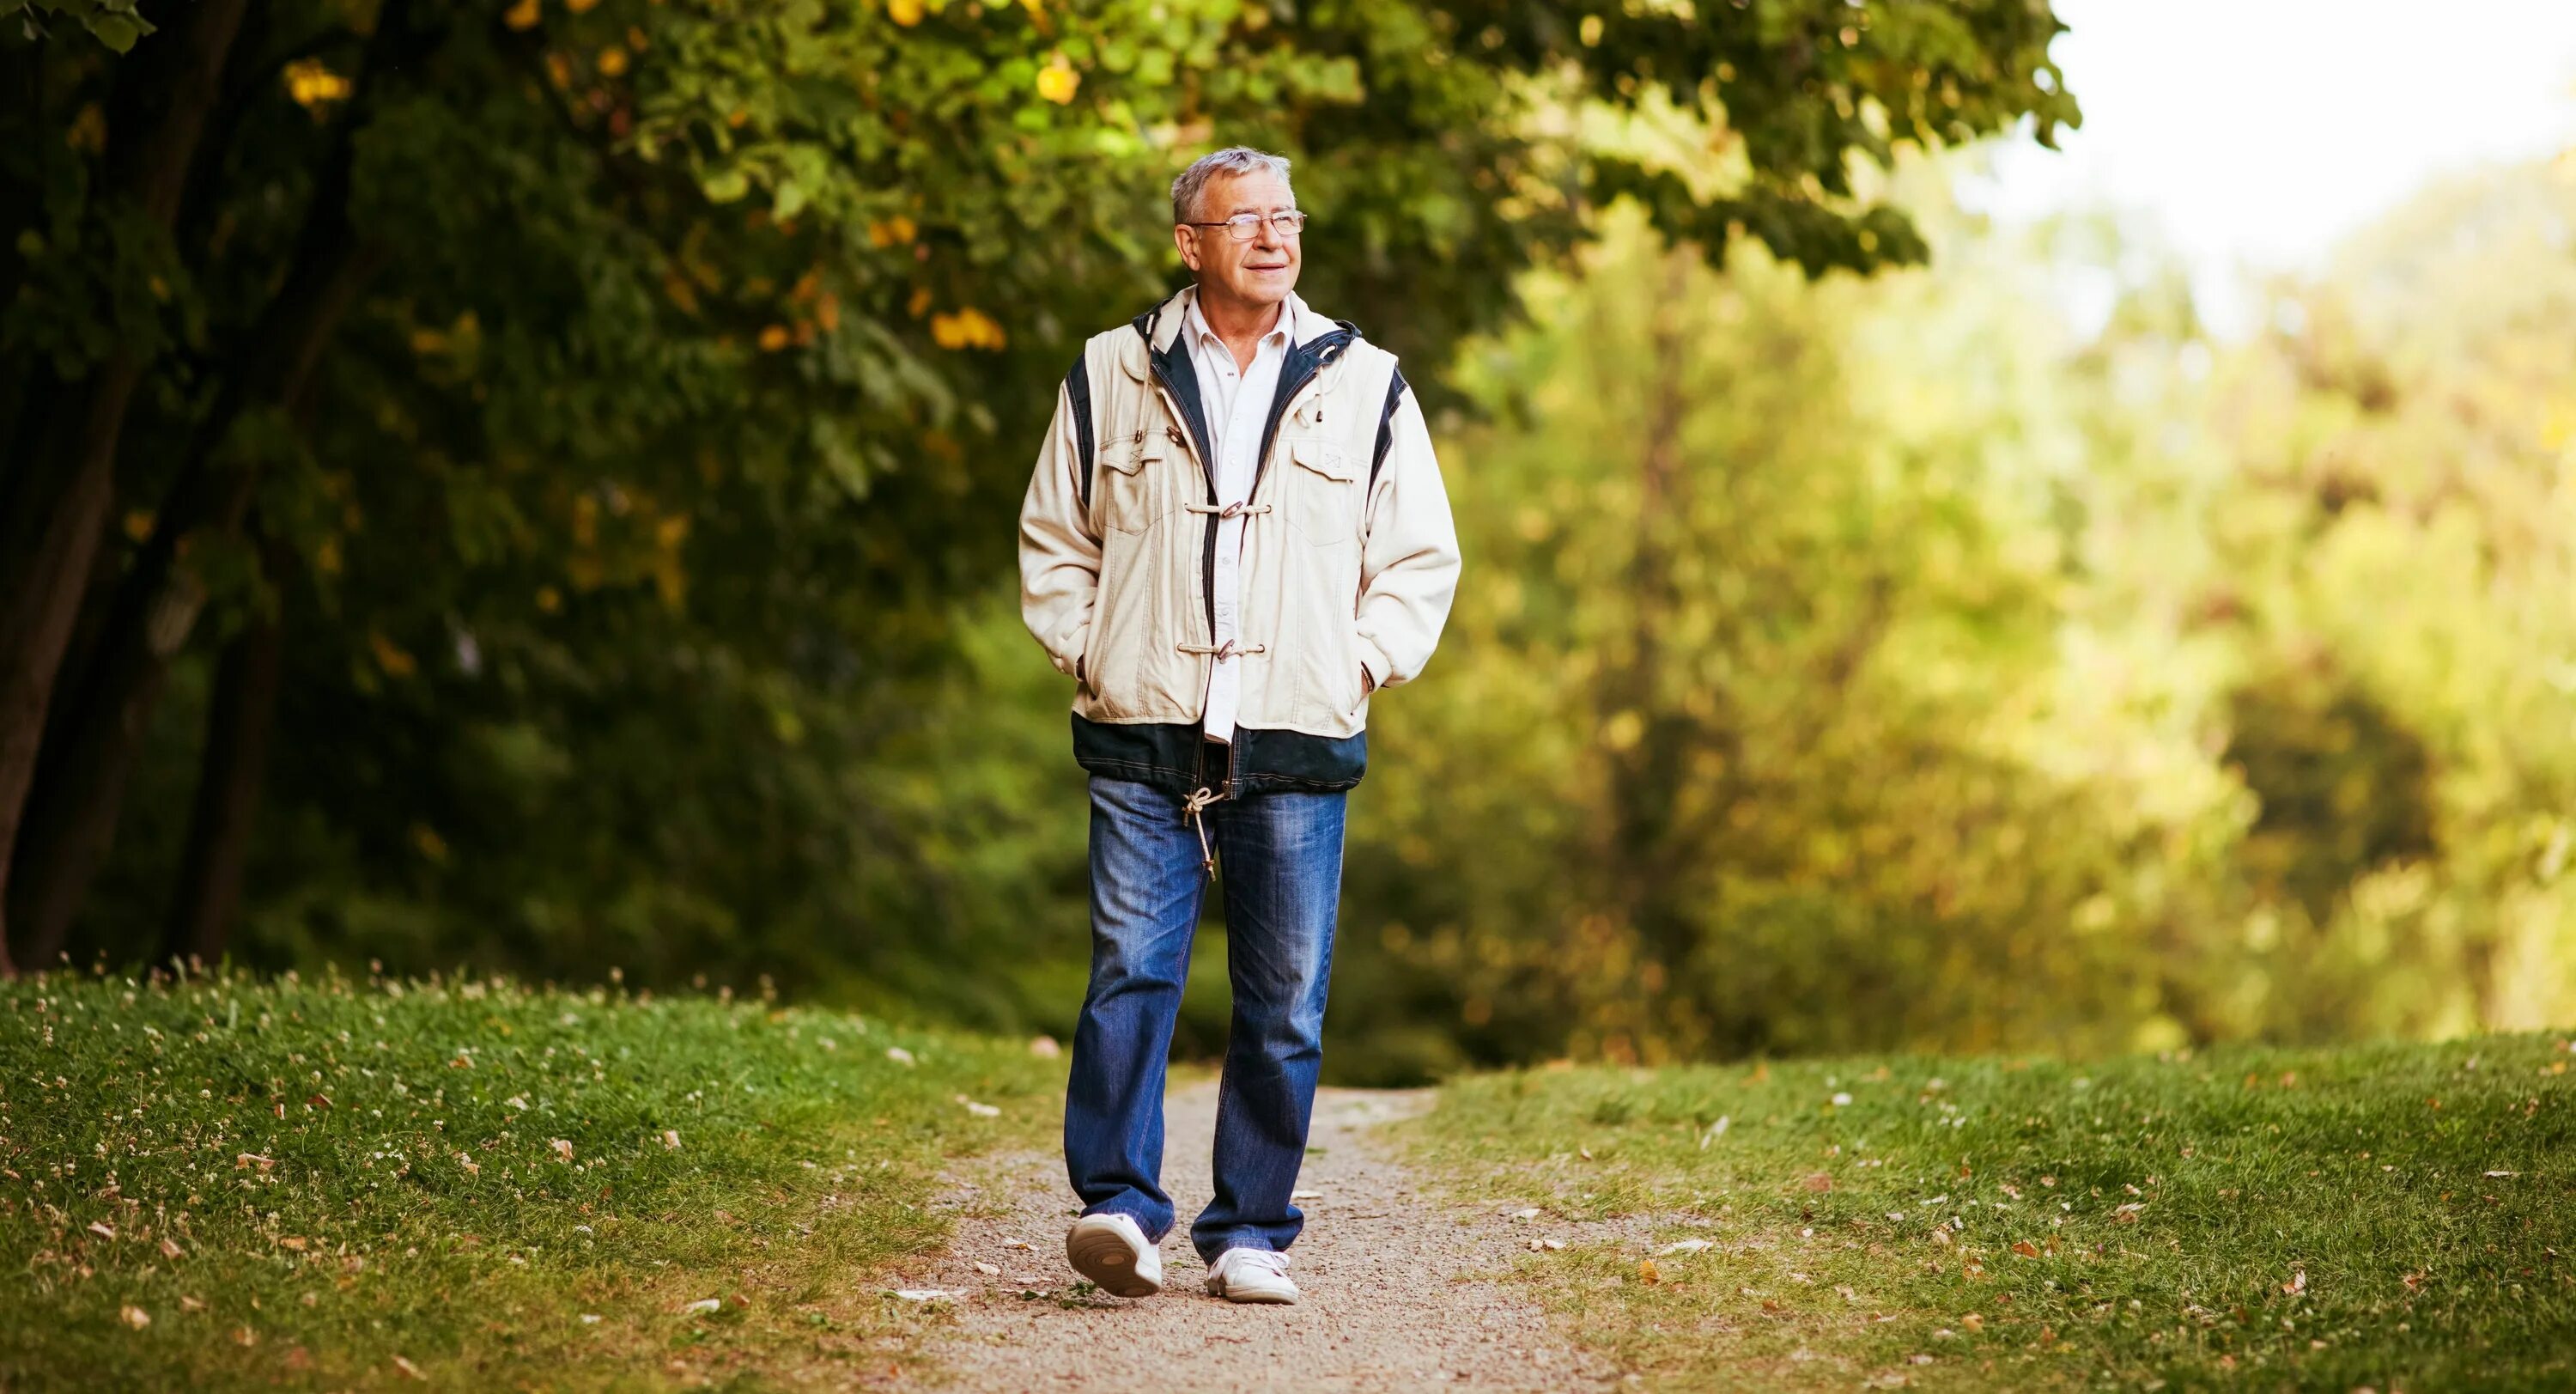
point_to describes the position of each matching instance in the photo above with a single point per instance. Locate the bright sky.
(2257, 132)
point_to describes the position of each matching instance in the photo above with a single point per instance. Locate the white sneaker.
(1110, 1250)
(1251, 1275)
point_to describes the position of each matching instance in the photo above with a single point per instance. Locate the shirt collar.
(1285, 331)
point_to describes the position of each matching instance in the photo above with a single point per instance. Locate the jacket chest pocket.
(1323, 491)
(1134, 490)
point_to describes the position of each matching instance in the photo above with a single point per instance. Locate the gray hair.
(1234, 159)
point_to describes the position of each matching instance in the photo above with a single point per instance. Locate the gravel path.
(1397, 1289)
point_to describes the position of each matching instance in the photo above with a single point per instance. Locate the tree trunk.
(79, 788)
(58, 504)
(238, 722)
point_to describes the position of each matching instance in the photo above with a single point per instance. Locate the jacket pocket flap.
(1129, 455)
(1323, 457)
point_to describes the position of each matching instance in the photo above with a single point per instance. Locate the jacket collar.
(1160, 327)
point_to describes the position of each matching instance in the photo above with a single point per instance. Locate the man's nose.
(1269, 239)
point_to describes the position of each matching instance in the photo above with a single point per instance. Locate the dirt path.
(1397, 1295)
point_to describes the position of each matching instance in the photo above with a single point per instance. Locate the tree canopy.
(544, 397)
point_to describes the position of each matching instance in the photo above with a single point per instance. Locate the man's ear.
(1186, 238)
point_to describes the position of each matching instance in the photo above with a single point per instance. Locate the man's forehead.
(1248, 193)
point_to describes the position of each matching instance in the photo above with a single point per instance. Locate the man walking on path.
(1236, 532)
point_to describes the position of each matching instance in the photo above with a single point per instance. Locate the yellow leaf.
(136, 1317)
(549, 600)
(967, 328)
(391, 657)
(578, 6)
(904, 12)
(311, 84)
(612, 61)
(523, 15)
(138, 524)
(920, 301)
(1057, 81)
(773, 338)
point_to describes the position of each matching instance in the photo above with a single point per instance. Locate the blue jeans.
(1281, 856)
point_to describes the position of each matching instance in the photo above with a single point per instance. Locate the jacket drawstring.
(1194, 813)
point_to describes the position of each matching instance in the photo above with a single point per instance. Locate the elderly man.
(1236, 532)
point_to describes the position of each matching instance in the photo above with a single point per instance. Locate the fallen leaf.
(101, 1228)
(321, 1101)
(2504, 1173)
(170, 1247)
(410, 1371)
(190, 1304)
(670, 1140)
(1646, 1269)
(979, 1110)
(1304, 1195)
(899, 1055)
(517, 1101)
(1684, 1246)
(703, 1305)
(925, 1294)
(254, 1159)
(1819, 1181)
(988, 1270)
(563, 1149)
(2298, 1282)
(1554, 1243)
(2025, 1248)
(295, 1242)
(136, 1317)
(1528, 1214)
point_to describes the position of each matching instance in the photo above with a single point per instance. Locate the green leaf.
(725, 186)
(118, 32)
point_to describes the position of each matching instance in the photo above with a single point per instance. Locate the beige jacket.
(1349, 559)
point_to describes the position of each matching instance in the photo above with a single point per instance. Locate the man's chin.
(1258, 289)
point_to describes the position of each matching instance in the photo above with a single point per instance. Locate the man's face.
(1258, 272)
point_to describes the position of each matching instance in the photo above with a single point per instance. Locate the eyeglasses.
(1243, 227)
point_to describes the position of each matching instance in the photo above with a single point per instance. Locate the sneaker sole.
(1103, 1256)
(1269, 1299)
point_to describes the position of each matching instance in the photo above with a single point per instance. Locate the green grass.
(2384, 1218)
(240, 1182)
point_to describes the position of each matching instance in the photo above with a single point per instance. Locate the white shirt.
(1236, 404)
